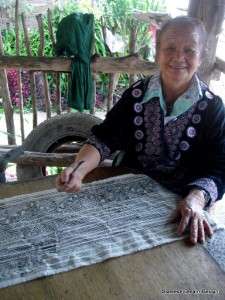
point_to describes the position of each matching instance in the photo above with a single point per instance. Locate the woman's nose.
(179, 54)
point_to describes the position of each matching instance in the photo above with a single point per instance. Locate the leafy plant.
(12, 76)
(116, 15)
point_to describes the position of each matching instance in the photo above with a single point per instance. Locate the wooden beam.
(49, 159)
(65, 148)
(45, 159)
(128, 64)
(150, 17)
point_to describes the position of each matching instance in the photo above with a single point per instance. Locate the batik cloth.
(49, 232)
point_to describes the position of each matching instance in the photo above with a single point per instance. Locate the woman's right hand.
(69, 180)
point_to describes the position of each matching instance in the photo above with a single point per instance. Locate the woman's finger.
(59, 184)
(184, 221)
(201, 231)
(208, 228)
(65, 175)
(194, 230)
(73, 188)
(74, 184)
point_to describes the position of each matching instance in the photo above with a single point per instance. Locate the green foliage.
(54, 170)
(6, 3)
(116, 15)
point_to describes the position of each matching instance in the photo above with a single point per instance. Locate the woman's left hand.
(191, 209)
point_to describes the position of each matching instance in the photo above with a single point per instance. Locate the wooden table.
(173, 271)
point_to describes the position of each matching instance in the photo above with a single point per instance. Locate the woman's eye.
(170, 49)
(189, 51)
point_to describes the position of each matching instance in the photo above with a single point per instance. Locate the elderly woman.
(169, 126)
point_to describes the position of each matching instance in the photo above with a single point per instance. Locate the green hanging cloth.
(74, 38)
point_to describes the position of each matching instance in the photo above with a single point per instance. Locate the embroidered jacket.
(182, 151)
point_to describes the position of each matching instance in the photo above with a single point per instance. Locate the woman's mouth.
(178, 67)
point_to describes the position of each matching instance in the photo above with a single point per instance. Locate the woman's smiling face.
(179, 55)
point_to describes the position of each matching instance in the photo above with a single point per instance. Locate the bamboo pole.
(7, 103)
(41, 53)
(56, 75)
(19, 71)
(32, 74)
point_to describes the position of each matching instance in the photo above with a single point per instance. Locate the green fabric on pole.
(74, 38)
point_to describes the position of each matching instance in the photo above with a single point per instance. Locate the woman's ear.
(201, 57)
(157, 56)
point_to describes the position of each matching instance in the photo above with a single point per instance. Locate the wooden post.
(50, 28)
(58, 94)
(32, 74)
(56, 75)
(112, 78)
(212, 14)
(19, 71)
(68, 80)
(41, 53)
(132, 46)
(92, 110)
(7, 103)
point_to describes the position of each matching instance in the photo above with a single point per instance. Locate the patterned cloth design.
(49, 232)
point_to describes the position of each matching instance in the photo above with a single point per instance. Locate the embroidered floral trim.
(208, 185)
(104, 150)
(184, 145)
(136, 93)
(202, 105)
(152, 117)
(174, 131)
(138, 107)
(139, 147)
(178, 156)
(209, 95)
(139, 134)
(191, 132)
(138, 120)
(196, 119)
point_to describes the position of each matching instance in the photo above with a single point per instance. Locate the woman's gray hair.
(184, 21)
